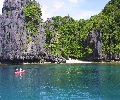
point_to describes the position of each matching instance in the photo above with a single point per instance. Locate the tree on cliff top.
(33, 15)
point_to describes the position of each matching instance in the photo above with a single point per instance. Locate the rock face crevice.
(14, 42)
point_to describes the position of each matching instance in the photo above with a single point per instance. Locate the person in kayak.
(17, 70)
(20, 69)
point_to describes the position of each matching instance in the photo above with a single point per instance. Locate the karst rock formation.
(14, 44)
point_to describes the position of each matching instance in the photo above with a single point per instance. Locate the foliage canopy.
(68, 37)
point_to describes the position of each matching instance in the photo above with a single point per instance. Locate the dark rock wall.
(1, 35)
(13, 37)
(14, 29)
(96, 39)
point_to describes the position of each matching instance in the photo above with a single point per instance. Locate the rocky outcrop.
(16, 44)
(1, 35)
(14, 40)
(95, 39)
(51, 40)
(13, 29)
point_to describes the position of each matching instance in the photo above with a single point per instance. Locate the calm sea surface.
(61, 82)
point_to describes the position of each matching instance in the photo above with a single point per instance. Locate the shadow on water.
(61, 82)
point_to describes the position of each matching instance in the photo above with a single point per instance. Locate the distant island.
(26, 38)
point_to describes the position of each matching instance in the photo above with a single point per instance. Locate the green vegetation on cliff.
(33, 15)
(68, 37)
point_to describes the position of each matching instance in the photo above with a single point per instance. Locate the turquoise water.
(61, 82)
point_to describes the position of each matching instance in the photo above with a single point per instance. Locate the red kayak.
(20, 72)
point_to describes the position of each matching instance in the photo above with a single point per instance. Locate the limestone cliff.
(14, 43)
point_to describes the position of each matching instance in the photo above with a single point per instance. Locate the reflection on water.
(19, 75)
(61, 82)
